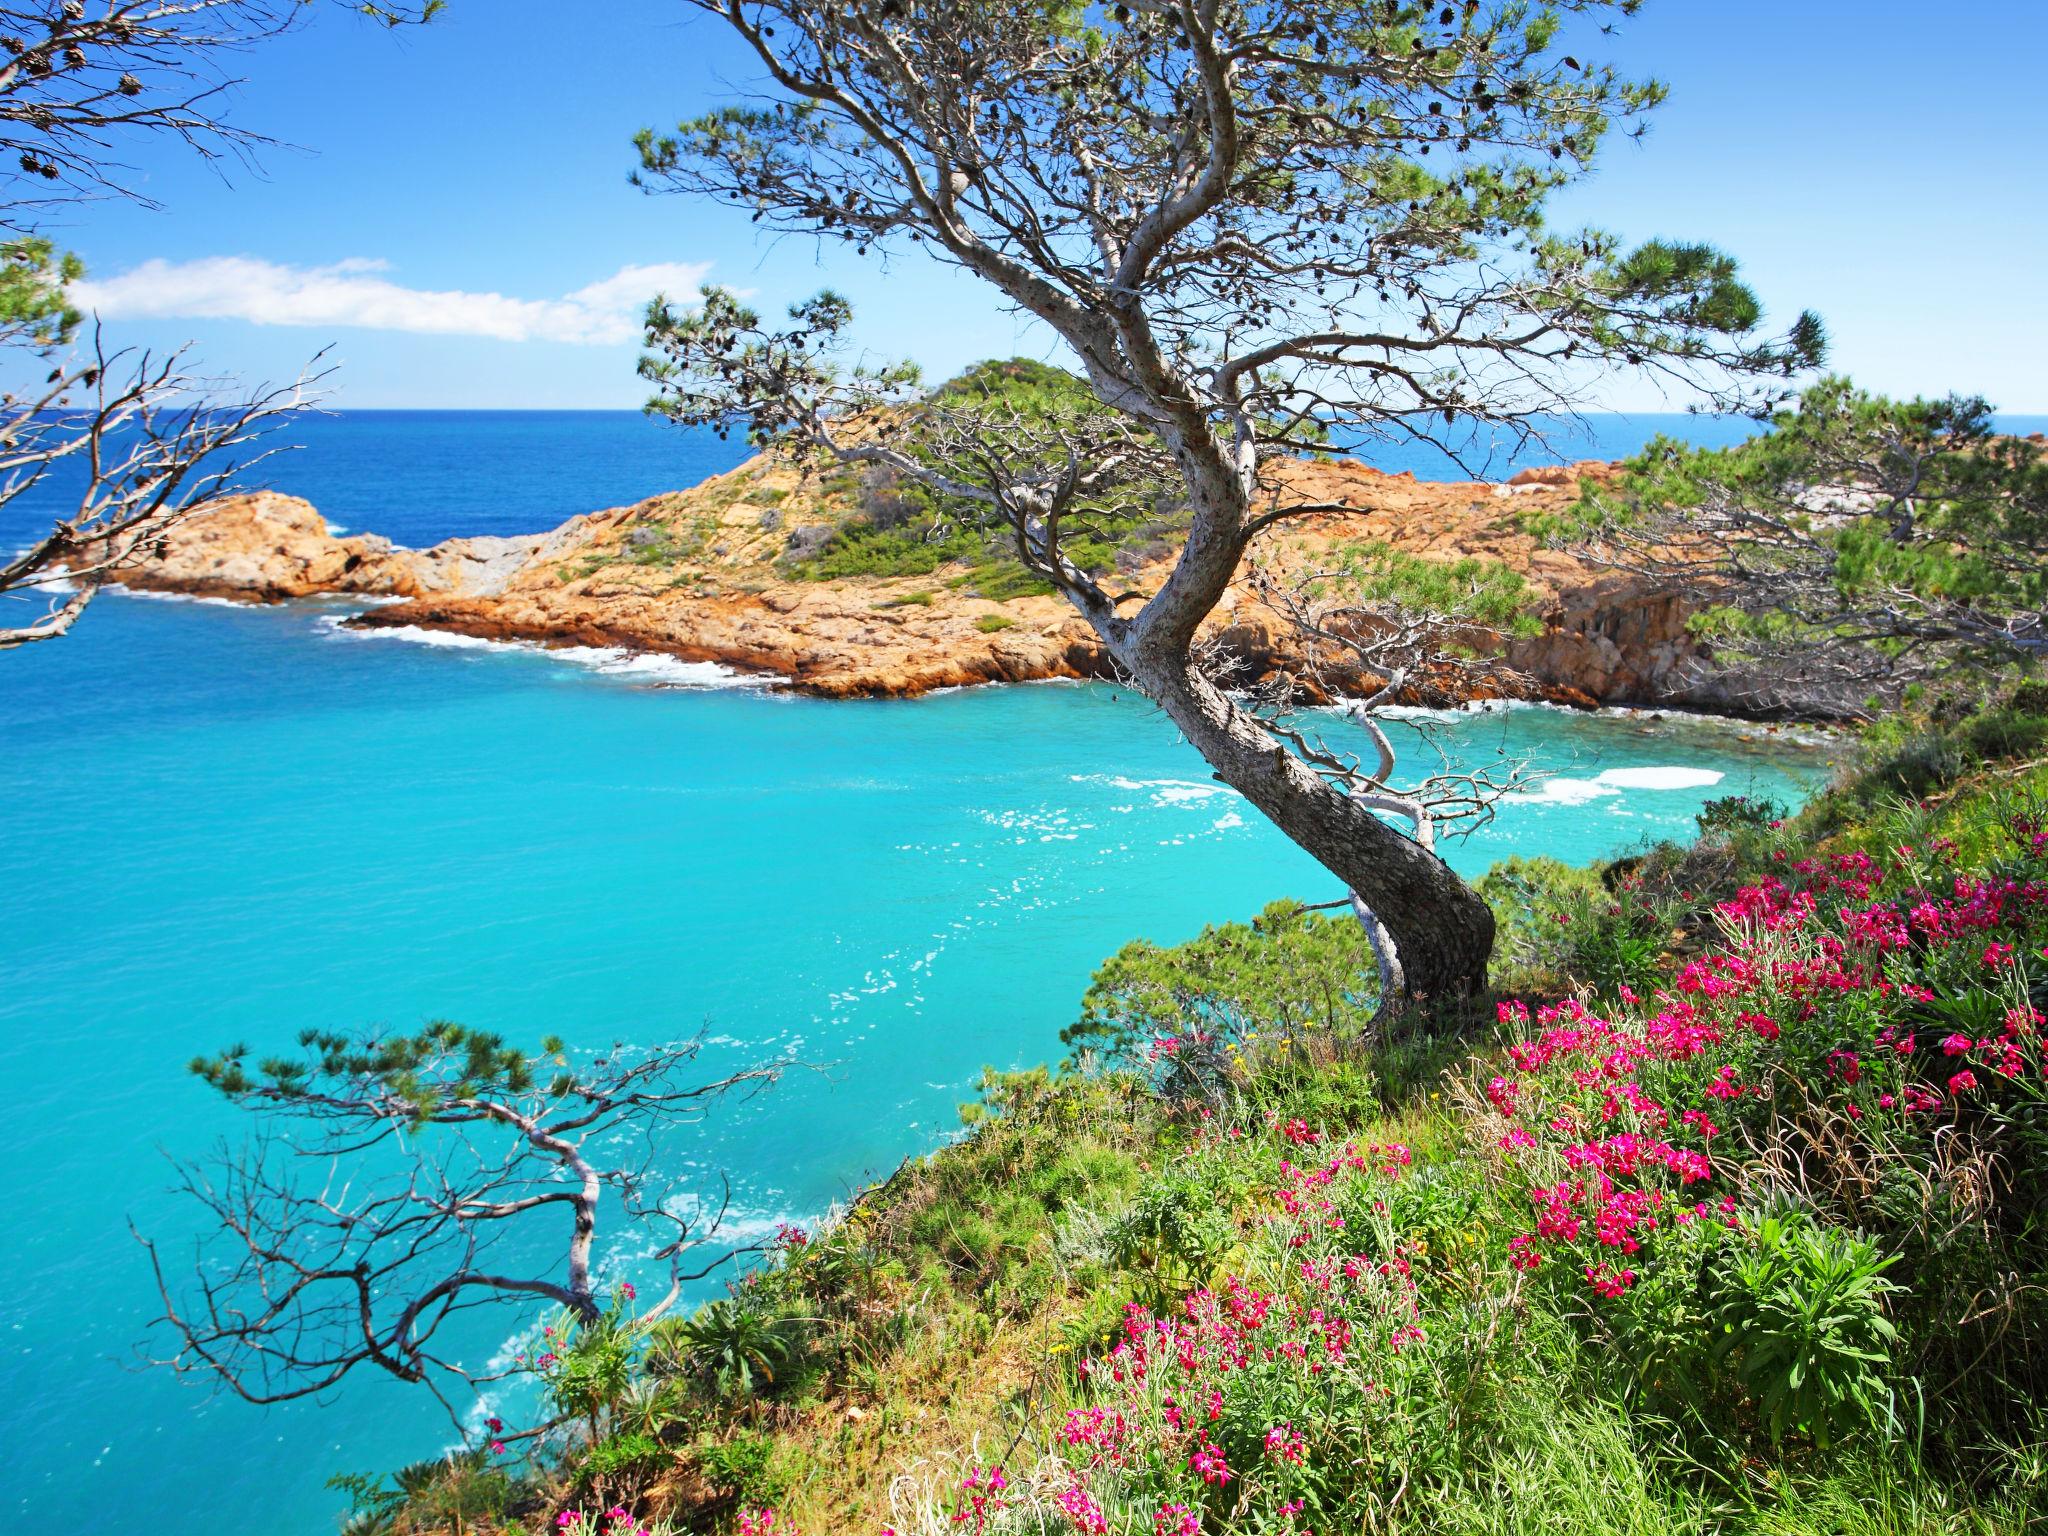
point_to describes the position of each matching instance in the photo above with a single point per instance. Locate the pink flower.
(1609, 1282)
(982, 1490)
(1079, 1506)
(1208, 1464)
(1282, 1442)
(1176, 1520)
(1962, 1082)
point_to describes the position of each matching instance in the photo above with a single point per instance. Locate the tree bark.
(1442, 930)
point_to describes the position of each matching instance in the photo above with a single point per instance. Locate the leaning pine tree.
(1260, 226)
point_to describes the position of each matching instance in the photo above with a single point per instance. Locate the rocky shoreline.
(703, 575)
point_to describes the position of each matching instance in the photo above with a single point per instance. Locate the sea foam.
(648, 667)
(1612, 781)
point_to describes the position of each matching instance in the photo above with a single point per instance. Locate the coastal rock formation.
(705, 575)
(264, 547)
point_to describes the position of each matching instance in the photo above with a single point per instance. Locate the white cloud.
(355, 292)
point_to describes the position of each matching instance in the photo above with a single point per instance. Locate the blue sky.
(457, 226)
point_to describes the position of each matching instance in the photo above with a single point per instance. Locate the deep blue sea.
(229, 823)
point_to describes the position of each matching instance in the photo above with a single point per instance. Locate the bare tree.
(145, 444)
(394, 1184)
(1862, 547)
(1257, 225)
(80, 80)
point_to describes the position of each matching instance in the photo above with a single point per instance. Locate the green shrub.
(742, 1468)
(994, 623)
(593, 1366)
(1288, 971)
(730, 1348)
(455, 1491)
(1801, 1312)
(620, 1466)
(1739, 813)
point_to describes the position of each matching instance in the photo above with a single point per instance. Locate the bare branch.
(386, 1176)
(147, 443)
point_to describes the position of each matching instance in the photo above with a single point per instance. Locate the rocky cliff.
(705, 574)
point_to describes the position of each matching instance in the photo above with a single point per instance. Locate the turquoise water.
(231, 823)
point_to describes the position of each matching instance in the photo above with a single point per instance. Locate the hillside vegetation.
(898, 527)
(1726, 1214)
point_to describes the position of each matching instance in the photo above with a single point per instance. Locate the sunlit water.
(232, 823)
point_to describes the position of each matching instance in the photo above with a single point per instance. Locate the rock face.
(264, 547)
(700, 574)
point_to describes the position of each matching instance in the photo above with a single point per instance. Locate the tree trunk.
(1442, 931)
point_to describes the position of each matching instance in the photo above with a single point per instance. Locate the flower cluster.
(983, 1494)
(1238, 1401)
(1817, 1000)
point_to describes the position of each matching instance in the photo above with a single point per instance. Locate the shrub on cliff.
(901, 526)
(1862, 550)
(1289, 971)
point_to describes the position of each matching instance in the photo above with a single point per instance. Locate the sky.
(447, 210)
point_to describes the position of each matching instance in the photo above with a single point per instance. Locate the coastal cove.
(253, 820)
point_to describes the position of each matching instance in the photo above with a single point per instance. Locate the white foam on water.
(1661, 778)
(649, 667)
(150, 595)
(446, 639)
(652, 667)
(1161, 792)
(1445, 714)
(1612, 781)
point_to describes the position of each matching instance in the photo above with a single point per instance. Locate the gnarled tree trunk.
(1442, 930)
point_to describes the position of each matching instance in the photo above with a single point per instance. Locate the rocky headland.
(715, 574)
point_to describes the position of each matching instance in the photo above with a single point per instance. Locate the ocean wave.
(1161, 791)
(1613, 781)
(1449, 713)
(150, 595)
(1661, 778)
(652, 667)
(338, 626)
(647, 667)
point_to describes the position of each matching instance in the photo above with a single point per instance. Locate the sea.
(224, 823)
